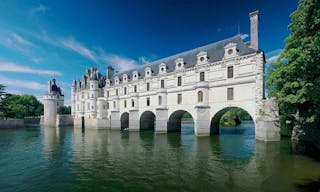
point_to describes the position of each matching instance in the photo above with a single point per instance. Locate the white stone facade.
(205, 82)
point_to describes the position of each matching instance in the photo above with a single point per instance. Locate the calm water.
(48, 159)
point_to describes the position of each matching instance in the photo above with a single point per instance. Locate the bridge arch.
(147, 120)
(215, 120)
(175, 120)
(124, 119)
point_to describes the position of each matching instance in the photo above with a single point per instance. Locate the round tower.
(52, 101)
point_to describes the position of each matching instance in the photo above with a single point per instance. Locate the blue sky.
(40, 40)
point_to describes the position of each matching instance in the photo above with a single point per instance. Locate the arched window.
(200, 96)
(132, 103)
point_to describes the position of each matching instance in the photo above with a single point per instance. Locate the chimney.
(110, 72)
(254, 33)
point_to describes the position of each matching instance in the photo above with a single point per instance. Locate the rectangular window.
(179, 81)
(179, 98)
(202, 76)
(230, 94)
(116, 92)
(114, 104)
(107, 93)
(160, 100)
(108, 105)
(132, 103)
(125, 90)
(125, 103)
(230, 72)
(148, 101)
(148, 86)
(135, 88)
(104, 106)
(162, 83)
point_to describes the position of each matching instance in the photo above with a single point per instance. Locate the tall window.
(200, 96)
(230, 94)
(117, 92)
(230, 72)
(77, 107)
(160, 100)
(179, 98)
(125, 103)
(132, 103)
(107, 93)
(148, 86)
(202, 76)
(179, 81)
(108, 105)
(114, 104)
(162, 83)
(148, 101)
(125, 90)
(135, 88)
(88, 106)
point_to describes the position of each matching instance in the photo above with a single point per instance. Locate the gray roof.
(215, 52)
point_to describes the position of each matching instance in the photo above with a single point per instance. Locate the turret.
(254, 32)
(52, 100)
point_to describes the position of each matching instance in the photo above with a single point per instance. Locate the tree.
(19, 106)
(295, 81)
(65, 110)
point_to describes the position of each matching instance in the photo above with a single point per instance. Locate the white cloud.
(144, 60)
(9, 82)
(244, 36)
(273, 55)
(21, 40)
(9, 66)
(120, 63)
(78, 48)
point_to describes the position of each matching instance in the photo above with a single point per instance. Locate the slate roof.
(215, 52)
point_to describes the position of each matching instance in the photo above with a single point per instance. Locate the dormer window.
(202, 58)
(179, 63)
(162, 68)
(116, 80)
(230, 50)
(108, 82)
(147, 72)
(135, 75)
(125, 78)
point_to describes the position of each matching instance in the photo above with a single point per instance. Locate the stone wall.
(32, 120)
(92, 123)
(11, 123)
(64, 120)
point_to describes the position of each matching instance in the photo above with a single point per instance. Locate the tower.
(73, 97)
(93, 91)
(254, 33)
(52, 100)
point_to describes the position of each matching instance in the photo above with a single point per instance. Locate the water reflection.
(68, 159)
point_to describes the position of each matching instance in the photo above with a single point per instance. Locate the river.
(66, 159)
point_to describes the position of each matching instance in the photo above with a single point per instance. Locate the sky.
(40, 40)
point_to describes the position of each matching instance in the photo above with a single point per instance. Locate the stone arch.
(215, 120)
(147, 120)
(124, 119)
(174, 121)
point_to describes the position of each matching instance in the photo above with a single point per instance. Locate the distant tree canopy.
(64, 110)
(234, 117)
(19, 106)
(295, 80)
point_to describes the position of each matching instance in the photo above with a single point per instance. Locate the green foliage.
(64, 110)
(295, 81)
(234, 117)
(19, 106)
